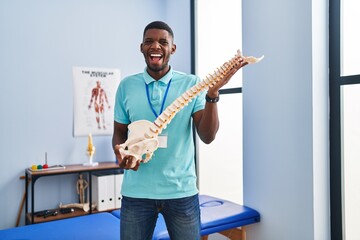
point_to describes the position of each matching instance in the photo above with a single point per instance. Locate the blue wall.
(40, 42)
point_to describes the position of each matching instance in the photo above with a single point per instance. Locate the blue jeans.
(138, 218)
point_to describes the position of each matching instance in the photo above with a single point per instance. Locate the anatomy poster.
(94, 98)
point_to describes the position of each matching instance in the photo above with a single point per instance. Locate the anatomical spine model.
(142, 138)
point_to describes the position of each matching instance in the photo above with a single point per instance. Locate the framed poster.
(94, 98)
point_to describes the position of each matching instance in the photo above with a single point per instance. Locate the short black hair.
(159, 25)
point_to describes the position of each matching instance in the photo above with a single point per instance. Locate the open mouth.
(155, 57)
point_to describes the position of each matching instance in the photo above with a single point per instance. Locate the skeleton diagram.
(98, 97)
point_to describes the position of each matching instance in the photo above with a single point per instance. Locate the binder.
(118, 182)
(103, 192)
(106, 191)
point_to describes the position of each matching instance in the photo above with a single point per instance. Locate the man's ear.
(141, 48)
(173, 49)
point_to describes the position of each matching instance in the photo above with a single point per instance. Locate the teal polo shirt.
(171, 171)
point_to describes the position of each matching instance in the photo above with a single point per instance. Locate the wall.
(285, 105)
(286, 119)
(40, 43)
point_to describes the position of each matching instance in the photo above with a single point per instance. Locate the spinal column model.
(142, 138)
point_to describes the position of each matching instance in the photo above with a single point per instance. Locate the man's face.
(157, 46)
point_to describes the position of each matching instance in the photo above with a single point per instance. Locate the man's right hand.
(127, 162)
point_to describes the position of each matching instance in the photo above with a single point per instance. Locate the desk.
(32, 176)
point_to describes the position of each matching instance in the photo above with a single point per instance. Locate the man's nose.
(155, 45)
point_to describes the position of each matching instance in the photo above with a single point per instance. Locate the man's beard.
(156, 68)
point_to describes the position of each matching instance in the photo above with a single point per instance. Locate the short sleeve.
(120, 113)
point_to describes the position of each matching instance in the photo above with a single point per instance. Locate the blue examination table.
(88, 227)
(217, 215)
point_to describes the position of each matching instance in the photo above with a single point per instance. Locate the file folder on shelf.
(118, 183)
(103, 192)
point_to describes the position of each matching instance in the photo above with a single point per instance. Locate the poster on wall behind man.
(94, 98)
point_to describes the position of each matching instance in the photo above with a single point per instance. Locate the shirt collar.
(165, 79)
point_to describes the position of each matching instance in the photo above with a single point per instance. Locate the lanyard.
(163, 103)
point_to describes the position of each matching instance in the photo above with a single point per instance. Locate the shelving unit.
(31, 177)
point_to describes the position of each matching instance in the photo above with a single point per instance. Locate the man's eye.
(164, 42)
(147, 42)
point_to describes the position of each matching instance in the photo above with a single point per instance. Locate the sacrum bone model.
(142, 139)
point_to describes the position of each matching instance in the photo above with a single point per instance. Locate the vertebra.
(142, 139)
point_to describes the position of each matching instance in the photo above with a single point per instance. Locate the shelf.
(75, 168)
(32, 176)
(76, 213)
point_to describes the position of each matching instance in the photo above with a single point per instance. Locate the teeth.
(155, 55)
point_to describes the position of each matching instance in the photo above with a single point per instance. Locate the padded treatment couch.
(217, 215)
(88, 227)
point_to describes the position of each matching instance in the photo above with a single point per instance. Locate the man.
(167, 183)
